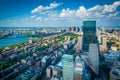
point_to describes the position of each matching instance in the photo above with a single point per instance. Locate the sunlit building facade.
(68, 67)
(93, 58)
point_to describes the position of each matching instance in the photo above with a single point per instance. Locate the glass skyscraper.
(68, 67)
(89, 34)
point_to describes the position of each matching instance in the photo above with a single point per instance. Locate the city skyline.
(69, 53)
(56, 13)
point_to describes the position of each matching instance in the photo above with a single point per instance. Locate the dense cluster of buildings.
(4, 32)
(91, 56)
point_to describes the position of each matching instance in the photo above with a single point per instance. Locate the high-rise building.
(77, 29)
(89, 34)
(68, 67)
(100, 39)
(69, 29)
(103, 29)
(104, 42)
(93, 58)
(74, 28)
(104, 47)
(79, 44)
(77, 59)
(79, 69)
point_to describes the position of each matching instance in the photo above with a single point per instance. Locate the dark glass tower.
(89, 34)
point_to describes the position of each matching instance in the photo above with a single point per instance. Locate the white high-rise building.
(79, 44)
(93, 57)
(103, 29)
(68, 67)
(79, 69)
(100, 39)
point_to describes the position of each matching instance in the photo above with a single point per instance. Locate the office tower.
(103, 47)
(74, 28)
(68, 67)
(79, 44)
(89, 34)
(103, 29)
(79, 69)
(69, 29)
(93, 58)
(104, 42)
(77, 29)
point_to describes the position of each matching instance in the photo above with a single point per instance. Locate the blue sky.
(58, 13)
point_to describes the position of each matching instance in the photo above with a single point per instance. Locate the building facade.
(89, 34)
(79, 69)
(68, 67)
(79, 44)
(93, 58)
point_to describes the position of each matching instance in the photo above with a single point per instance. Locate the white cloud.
(105, 10)
(38, 18)
(98, 11)
(42, 8)
(95, 8)
(81, 12)
(113, 14)
(66, 15)
(49, 16)
(33, 16)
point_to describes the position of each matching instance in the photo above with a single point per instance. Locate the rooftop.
(67, 56)
(116, 70)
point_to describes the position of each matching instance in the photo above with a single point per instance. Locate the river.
(13, 39)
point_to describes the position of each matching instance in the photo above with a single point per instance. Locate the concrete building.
(93, 58)
(52, 71)
(30, 41)
(45, 61)
(104, 47)
(49, 71)
(104, 41)
(57, 71)
(79, 44)
(79, 69)
(100, 39)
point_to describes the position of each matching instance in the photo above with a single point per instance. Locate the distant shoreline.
(61, 27)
